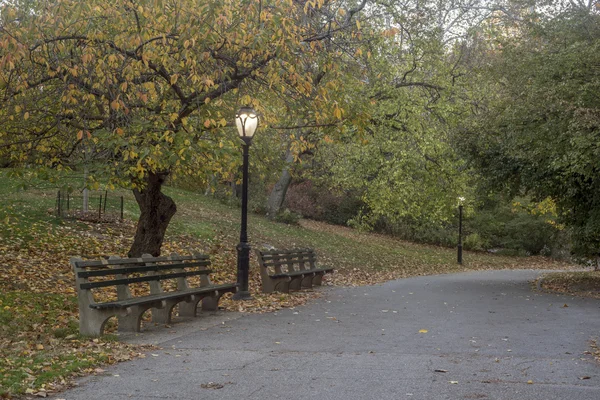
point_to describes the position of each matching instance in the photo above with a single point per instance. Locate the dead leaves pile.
(578, 283)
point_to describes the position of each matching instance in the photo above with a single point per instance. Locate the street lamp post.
(246, 121)
(460, 217)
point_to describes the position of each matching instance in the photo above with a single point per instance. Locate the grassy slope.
(340, 247)
(39, 345)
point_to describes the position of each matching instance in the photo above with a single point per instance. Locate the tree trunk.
(156, 211)
(277, 196)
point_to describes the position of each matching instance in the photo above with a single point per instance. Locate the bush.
(415, 230)
(288, 217)
(499, 225)
(514, 228)
(323, 204)
(474, 242)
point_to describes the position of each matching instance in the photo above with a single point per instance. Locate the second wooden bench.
(285, 270)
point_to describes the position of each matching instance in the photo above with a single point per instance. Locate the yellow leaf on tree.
(337, 113)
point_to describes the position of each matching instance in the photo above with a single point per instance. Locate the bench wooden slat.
(147, 278)
(139, 260)
(143, 268)
(268, 253)
(163, 296)
(302, 272)
(287, 261)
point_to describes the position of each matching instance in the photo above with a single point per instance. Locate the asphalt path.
(479, 335)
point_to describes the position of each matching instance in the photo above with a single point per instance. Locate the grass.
(45, 345)
(40, 349)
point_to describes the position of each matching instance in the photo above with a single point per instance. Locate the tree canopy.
(146, 87)
(538, 130)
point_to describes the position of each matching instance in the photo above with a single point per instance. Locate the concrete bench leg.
(133, 321)
(211, 303)
(307, 280)
(296, 283)
(188, 308)
(318, 279)
(92, 322)
(163, 315)
(282, 286)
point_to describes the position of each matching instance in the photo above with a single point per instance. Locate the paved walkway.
(481, 335)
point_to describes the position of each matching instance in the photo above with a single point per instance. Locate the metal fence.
(101, 206)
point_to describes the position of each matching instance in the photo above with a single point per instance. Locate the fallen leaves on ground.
(578, 283)
(40, 349)
(595, 349)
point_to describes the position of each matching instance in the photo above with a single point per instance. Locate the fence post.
(121, 208)
(100, 208)
(105, 200)
(58, 204)
(68, 201)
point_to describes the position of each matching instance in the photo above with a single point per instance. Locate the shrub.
(288, 217)
(321, 203)
(474, 242)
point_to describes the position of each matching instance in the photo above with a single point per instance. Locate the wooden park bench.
(169, 285)
(282, 270)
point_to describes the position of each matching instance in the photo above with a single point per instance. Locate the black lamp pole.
(460, 215)
(246, 132)
(243, 248)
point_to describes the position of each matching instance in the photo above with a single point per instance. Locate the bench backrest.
(276, 262)
(122, 272)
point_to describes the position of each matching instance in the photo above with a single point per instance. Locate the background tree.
(537, 131)
(404, 167)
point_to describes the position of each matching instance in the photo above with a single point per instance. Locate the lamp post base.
(243, 269)
(242, 295)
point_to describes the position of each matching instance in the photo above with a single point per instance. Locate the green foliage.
(538, 125)
(144, 89)
(288, 217)
(519, 228)
(513, 227)
(420, 231)
(322, 203)
(404, 164)
(474, 241)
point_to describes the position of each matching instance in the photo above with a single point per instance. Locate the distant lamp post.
(246, 121)
(460, 217)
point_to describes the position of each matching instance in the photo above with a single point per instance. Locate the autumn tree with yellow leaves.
(143, 88)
